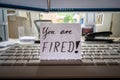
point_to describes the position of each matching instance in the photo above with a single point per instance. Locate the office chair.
(86, 31)
(37, 23)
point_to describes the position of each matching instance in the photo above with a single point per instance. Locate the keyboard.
(21, 55)
(92, 54)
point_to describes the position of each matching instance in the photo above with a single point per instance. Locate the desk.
(48, 72)
(60, 71)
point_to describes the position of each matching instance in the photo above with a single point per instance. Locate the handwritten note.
(60, 41)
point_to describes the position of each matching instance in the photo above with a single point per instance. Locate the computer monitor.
(99, 59)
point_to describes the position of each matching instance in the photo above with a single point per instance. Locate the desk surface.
(59, 71)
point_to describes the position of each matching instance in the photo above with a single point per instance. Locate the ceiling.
(62, 5)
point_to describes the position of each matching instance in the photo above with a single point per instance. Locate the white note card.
(60, 41)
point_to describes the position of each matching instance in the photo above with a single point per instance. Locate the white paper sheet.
(60, 41)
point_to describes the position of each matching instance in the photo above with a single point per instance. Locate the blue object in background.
(3, 25)
(81, 21)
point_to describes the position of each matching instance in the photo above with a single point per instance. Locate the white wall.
(106, 23)
(116, 25)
